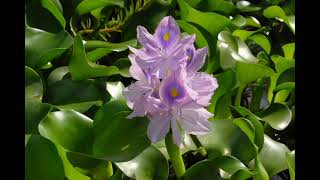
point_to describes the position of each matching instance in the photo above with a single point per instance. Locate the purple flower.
(162, 52)
(169, 89)
(179, 109)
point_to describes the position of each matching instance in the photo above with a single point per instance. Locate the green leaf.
(76, 95)
(288, 50)
(254, 120)
(222, 107)
(246, 126)
(278, 13)
(117, 138)
(70, 171)
(233, 50)
(227, 82)
(290, 156)
(239, 20)
(45, 15)
(33, 85)
(243, 34)
(57, 74)
(81, 68)
(150, 164)
(211, 22)
(42, 47)
(210, 169)
(273, 156)
(277, 115)
(87, 6)
(252, 21)
(189, 28)
(93, 44)
(227, 139)
(123, 65)
(82, 161)
(248, 73)
(70, 129)
(115, 90)
(55, 8)
(245, 6)
(97, 54)
(289, 86)
(34, 112)
(262, 41)
(282, 64)
(217, 6)
(42, 160)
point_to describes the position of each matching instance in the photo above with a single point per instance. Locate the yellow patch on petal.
(174, 92)
(189, 58)
(166, 36)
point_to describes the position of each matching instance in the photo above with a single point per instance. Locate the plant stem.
(239, 95)
(196, 141)
(175, 156)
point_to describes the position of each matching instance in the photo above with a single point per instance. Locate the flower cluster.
(169, 89)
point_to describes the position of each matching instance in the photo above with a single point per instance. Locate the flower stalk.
(175, 156)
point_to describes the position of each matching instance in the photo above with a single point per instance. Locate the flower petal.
(135, 70)
(176, 133)
(167, 32)
(198, 60)
(195, 121)
(145, 38)
(204, 85)
(158, 127)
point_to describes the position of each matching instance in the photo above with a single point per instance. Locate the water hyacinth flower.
(163, 51)
(169, 89)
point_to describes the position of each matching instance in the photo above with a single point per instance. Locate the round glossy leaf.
(273, 156)
(277, 12)
(34, 112)
(211, 22)
(55, 8)
(76, 95)
(42, 160)
(87, 6)
(45, 15)
(33, 85)
(239, 20)
(288, 50)
(123, 65)
(70, 129)
(70, 172)
(278, 116)
(227, 139)
(57, 75)
(285, 86)
(97, 54)
(150, 164)
(81, 68)
(245, 6)
(41, 47)
(262, 41)
(93, 44)
(243, 34)
(210, 169)
(226, 7)
(248, 73)
(117, 138)
(227, 81)
(189, 28)
(282, 64)
(115, 89)
(290, 156)
(252, 21)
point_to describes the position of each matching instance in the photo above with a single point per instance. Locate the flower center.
(166, 36)
(174, 92)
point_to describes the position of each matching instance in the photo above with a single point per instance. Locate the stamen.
(166, 36)
(174, 92)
